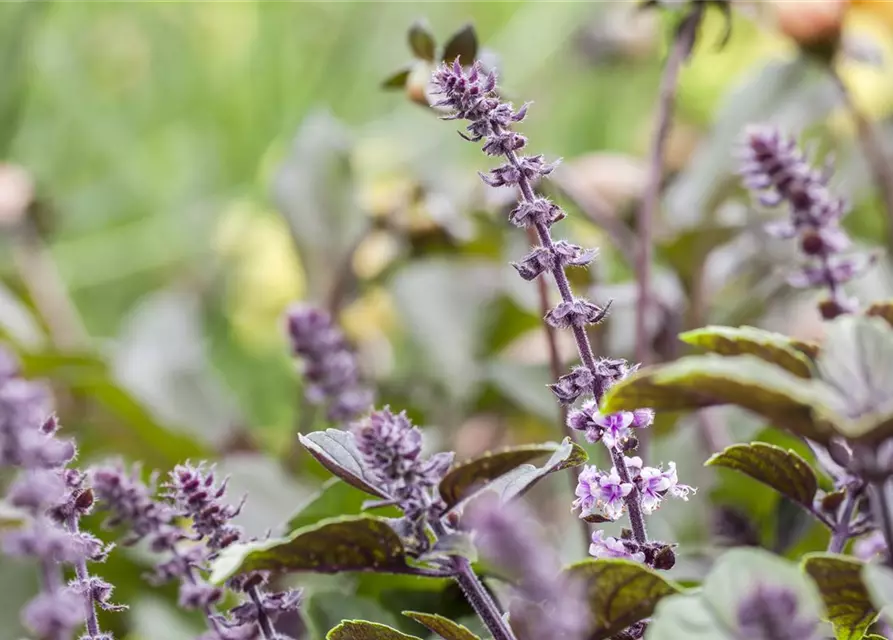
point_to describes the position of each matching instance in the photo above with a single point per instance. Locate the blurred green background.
(197, 167)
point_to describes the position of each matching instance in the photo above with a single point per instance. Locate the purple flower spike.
(608, 547)
(604, 491)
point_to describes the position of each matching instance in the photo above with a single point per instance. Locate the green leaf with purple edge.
(444, 627)
(521, 478)
(353, 543)
(781, 469)
(620, 593)
(337, 451)
(847, 601)
(362, 630)
(463, 45)
(766, 345)
(467, 477)
(421, 41)
(808, 408)
(398, 79)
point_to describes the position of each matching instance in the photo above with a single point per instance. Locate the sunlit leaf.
(520, 479)
(783, 470)
(806, 407)
(397, 80)
(444, 627)
(337, 451)
(421, 41)
(357, 543)
(766, 345)
(620, 593)
(362, 630)
(467, 477)
(463, 45)
(847, 602)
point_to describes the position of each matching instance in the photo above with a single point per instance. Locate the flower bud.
(815, 25)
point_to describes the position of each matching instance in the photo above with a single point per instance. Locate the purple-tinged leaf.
(781, 469)
(356, 543)
(362, 630)
(847, 602)
(444, 627)
(463, 45)
(519, 479)
(620, 593)
(337, 451)
(772, 347)
(421, 41)
(398, 79)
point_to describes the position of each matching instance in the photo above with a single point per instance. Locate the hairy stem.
(883, 516)
(874, 153)
(682, 46)
(83, 576)
(263, 620)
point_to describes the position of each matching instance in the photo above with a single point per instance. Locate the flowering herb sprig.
(470, 94)
(54, 496)
(192, 493)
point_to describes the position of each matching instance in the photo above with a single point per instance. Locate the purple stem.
(882, 514)
(263, 620)
(842, 531)
(83, 576)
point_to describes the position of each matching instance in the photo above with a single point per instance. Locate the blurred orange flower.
(815, 25)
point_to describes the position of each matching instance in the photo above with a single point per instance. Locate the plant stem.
(478, 596)
(83, 576)
(263, 620)
(881, 509)
(874, 153)
(841, 532)
(682, 46)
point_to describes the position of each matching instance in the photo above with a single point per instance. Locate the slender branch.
(842, 531)
(263, 620)
(880, 506)
(870, 140)
(682, 46)
(83, 576)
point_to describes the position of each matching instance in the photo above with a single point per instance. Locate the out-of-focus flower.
(771, 613)
(608, 547)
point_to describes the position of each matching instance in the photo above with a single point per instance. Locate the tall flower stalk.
(470, 94)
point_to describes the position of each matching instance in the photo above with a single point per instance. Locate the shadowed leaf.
(520, 479)
(878, 580)
(358, 543)
(463, 44)
(766, 345)
(805, 407)
(444, 627)
(337, 451)
(620, 593)
(334, 498)
(847, 602)
(783, 470)
(466, 477)
(397, 80)
(362, 630)
(421, 41)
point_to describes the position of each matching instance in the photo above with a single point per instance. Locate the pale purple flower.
(616, 427)
(871, 546)
(605, 491)
(607, 547)
(655, 484)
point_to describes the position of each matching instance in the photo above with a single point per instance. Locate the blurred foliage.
(198, 167)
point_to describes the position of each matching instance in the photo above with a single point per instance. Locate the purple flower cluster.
(53, 497)
(770, 613)
(777, 171)
(507, 535)
(470, 94)
(392, 452)
(192, 493)
(329, 365)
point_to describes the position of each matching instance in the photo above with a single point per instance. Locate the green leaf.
(878, 579)
(847, 602)
(355, 543)
(444, 627)
(520, 479)
(335, 498)
(782, 469)
(397, 80)
(337, 451)
(467, 477)
(362, 630)
(620, 593)
(453, 544)
(766, 345)
(687, 250)
(325, 610)
(463, 45)
(421, 41)
(806, 407)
